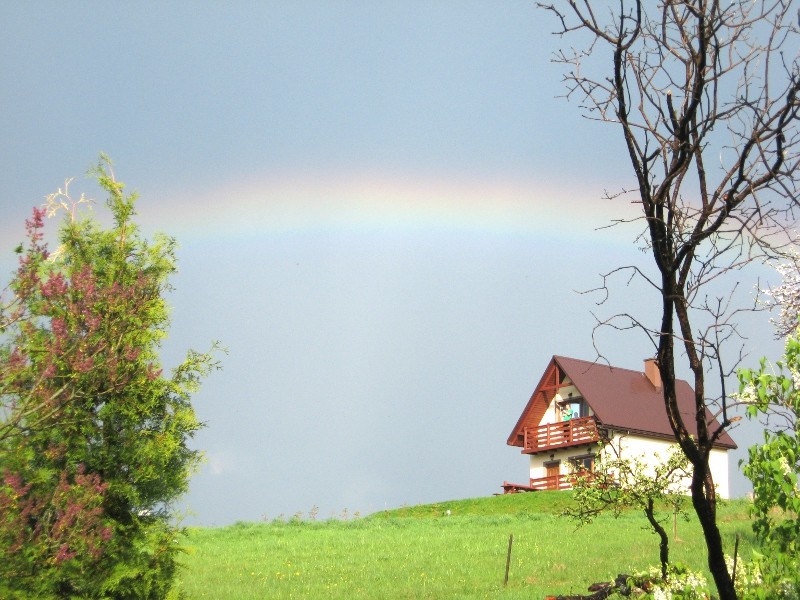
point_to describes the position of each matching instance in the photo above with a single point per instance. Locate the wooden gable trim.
(534, 410)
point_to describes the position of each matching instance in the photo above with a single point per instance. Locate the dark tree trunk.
(662, 534)
(705, 505)
(696, 449)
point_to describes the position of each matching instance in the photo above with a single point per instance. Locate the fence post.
(508, 558)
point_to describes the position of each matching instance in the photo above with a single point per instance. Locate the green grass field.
(421, 552)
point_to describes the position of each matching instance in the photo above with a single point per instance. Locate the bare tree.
(705, 94)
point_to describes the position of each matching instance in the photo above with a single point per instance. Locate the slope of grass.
(542, 503)
(421, 552)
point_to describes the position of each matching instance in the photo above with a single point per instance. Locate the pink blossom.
(153, 373)
(14, 481)
(54, 286)
(58, 326)
(64, 554)
(34, 224)
(16, 360)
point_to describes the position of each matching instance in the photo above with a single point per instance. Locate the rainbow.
(274, 206)
(379, 203)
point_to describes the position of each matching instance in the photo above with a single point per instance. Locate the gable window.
(572, 408)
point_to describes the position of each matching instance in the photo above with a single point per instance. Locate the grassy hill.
(424, 552)
(542, 503)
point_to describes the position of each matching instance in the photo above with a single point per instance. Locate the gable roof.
(621, 399)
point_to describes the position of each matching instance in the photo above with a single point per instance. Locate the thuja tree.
(93, 435)
(704, 97)
(618, 483)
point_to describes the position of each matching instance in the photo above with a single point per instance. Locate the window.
(572, 408)
(583, 463)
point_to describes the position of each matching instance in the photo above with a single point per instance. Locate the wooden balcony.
(562, 481)
(562, 434)
(553, 482)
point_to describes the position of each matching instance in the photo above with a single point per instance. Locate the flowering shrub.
(680, 583)
(760, 578)
(764, 578)
(786, 297)
(93, 438)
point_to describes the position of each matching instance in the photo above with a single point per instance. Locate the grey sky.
(383, 212)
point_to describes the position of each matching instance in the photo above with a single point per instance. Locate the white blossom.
(786, 296)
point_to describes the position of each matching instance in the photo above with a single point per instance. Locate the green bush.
(93, 437)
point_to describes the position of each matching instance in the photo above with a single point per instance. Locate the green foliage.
(766, 577)
(774, 465)
(93, 437)
(756, 579)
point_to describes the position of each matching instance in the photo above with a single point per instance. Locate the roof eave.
(662, 436)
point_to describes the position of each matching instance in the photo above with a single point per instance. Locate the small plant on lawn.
(618, 483)
(681, 582)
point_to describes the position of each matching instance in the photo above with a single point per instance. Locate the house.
(581, 407)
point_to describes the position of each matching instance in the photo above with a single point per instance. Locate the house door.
(553, 474)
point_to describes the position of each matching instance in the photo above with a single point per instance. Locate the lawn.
(424, 552)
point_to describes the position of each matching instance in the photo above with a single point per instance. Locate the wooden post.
(508, 558)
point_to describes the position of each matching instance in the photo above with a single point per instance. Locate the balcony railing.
(552, 482)
(562, 481)
(560, 435)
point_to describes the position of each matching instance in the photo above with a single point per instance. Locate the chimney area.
(652, 373)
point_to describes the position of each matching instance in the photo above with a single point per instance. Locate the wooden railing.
(553, 482)
(560, 435)
(563, 481)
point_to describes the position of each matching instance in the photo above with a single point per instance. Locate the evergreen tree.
(93, 436)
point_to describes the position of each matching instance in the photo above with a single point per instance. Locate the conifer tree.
(93, 435)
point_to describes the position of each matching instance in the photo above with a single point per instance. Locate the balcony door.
(572, 408)
(553, 474)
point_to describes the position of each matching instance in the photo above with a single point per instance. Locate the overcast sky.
(384, 212)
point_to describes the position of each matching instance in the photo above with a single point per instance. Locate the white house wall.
(648, 450)
(651, 450)
(565, 391)
(719, 461)
(550, 414)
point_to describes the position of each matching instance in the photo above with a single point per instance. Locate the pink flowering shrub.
(93, 436)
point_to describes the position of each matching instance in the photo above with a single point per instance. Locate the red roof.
(621, 399)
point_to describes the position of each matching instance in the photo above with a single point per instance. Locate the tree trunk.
(664, 544)
(705, 505)
(704, 498)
